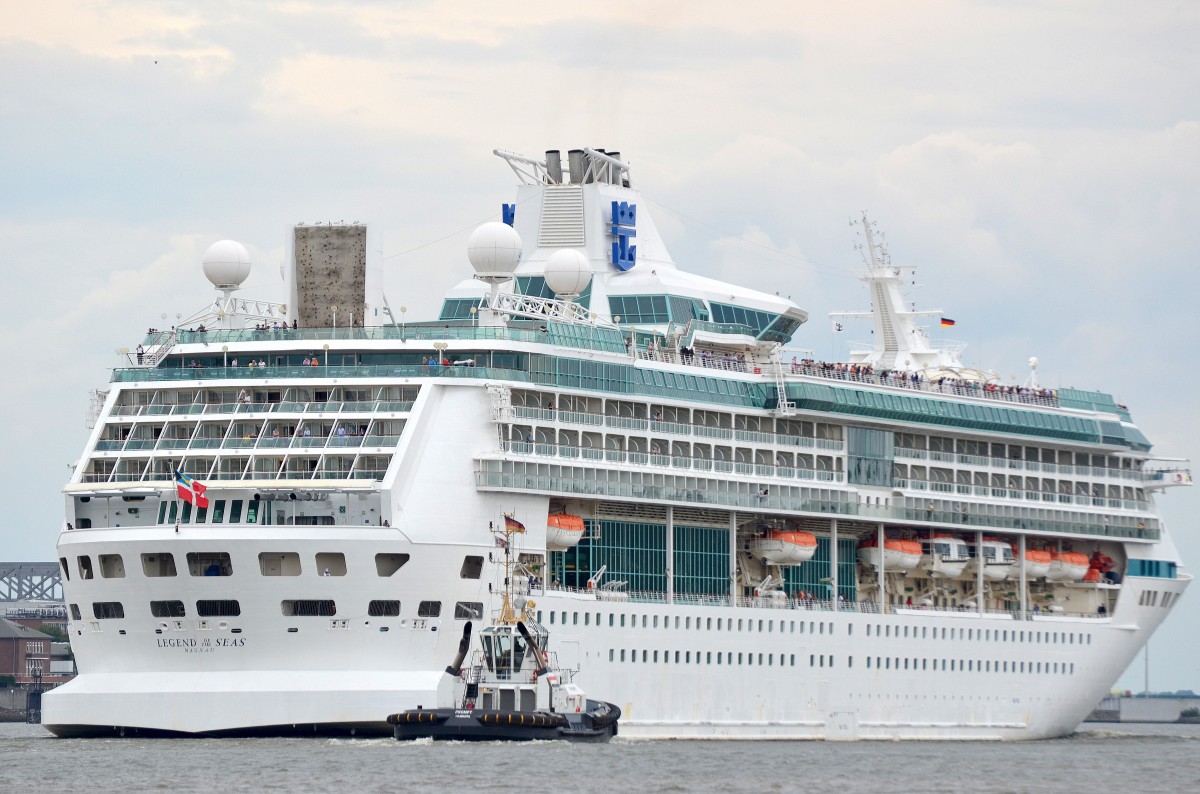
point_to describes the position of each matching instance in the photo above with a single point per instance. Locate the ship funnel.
(554, 166)
(575, 162)
(614, 174)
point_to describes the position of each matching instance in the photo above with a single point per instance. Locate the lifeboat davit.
(997, 559)
(1037, 563)
(1068, 566)
(902, 555)
(780, 547)
(563, 531)
(945, 557)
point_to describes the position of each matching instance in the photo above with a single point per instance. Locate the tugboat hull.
(597, 724)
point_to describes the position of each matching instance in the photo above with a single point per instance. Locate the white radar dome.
(494, 250)
(567, 272)
(226, 264)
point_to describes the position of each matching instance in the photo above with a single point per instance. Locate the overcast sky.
(1038, 161)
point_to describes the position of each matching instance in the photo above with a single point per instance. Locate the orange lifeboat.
(903, 555)
(784, 547)
(1068, 566)
(563, 531)
(1037, 563)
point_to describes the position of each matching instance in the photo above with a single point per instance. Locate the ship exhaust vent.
(562, 216)
(576, 164)
(554, 166)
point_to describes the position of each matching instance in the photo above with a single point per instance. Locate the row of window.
(685, 623)
(270, 563)
(300, 607)
(986, 635)
(823, 660)
(761, 625)
(1150, 598)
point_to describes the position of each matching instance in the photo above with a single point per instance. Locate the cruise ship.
(284, 514)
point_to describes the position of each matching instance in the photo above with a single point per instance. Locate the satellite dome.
(567, 272)
(494, 250)
(226, 264)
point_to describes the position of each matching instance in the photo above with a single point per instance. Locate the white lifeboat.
(563, 531)
(1067, 566)
(997, 560)
(945, 556)
(780, 547)
(898, 555)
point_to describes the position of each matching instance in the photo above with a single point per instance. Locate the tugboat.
(512, 690)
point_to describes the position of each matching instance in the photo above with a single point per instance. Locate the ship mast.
(504, 538)
(899, 342)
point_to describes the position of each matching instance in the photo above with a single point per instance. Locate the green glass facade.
(807, 577)
(636, 553)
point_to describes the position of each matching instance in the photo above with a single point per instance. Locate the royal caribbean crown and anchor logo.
(624, 229)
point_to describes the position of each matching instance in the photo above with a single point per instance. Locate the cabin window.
(209, 563)
(167, 609)
(108, 610)
(388, 564)
(384, 609)
(279, 563)
(429, 609)
(309, 608)
(331, 563)
(158, 564)
(219, 512)
(112, 566)
(75, 613)
(468, 610)
(62, 561)
(472, 567)
(218, 608)
(85, 566)
(235, 511)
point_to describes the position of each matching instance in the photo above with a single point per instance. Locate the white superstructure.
(891, 547)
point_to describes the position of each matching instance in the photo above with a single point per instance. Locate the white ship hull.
(813, 680)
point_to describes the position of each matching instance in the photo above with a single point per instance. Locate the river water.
(1098, 757)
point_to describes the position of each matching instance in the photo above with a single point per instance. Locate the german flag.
(513, 525)
(947, 322)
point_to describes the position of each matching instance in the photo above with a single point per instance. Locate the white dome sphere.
(494, 250)
(226, 264)
(567, 272)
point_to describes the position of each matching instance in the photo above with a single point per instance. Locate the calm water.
(1099, 757)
